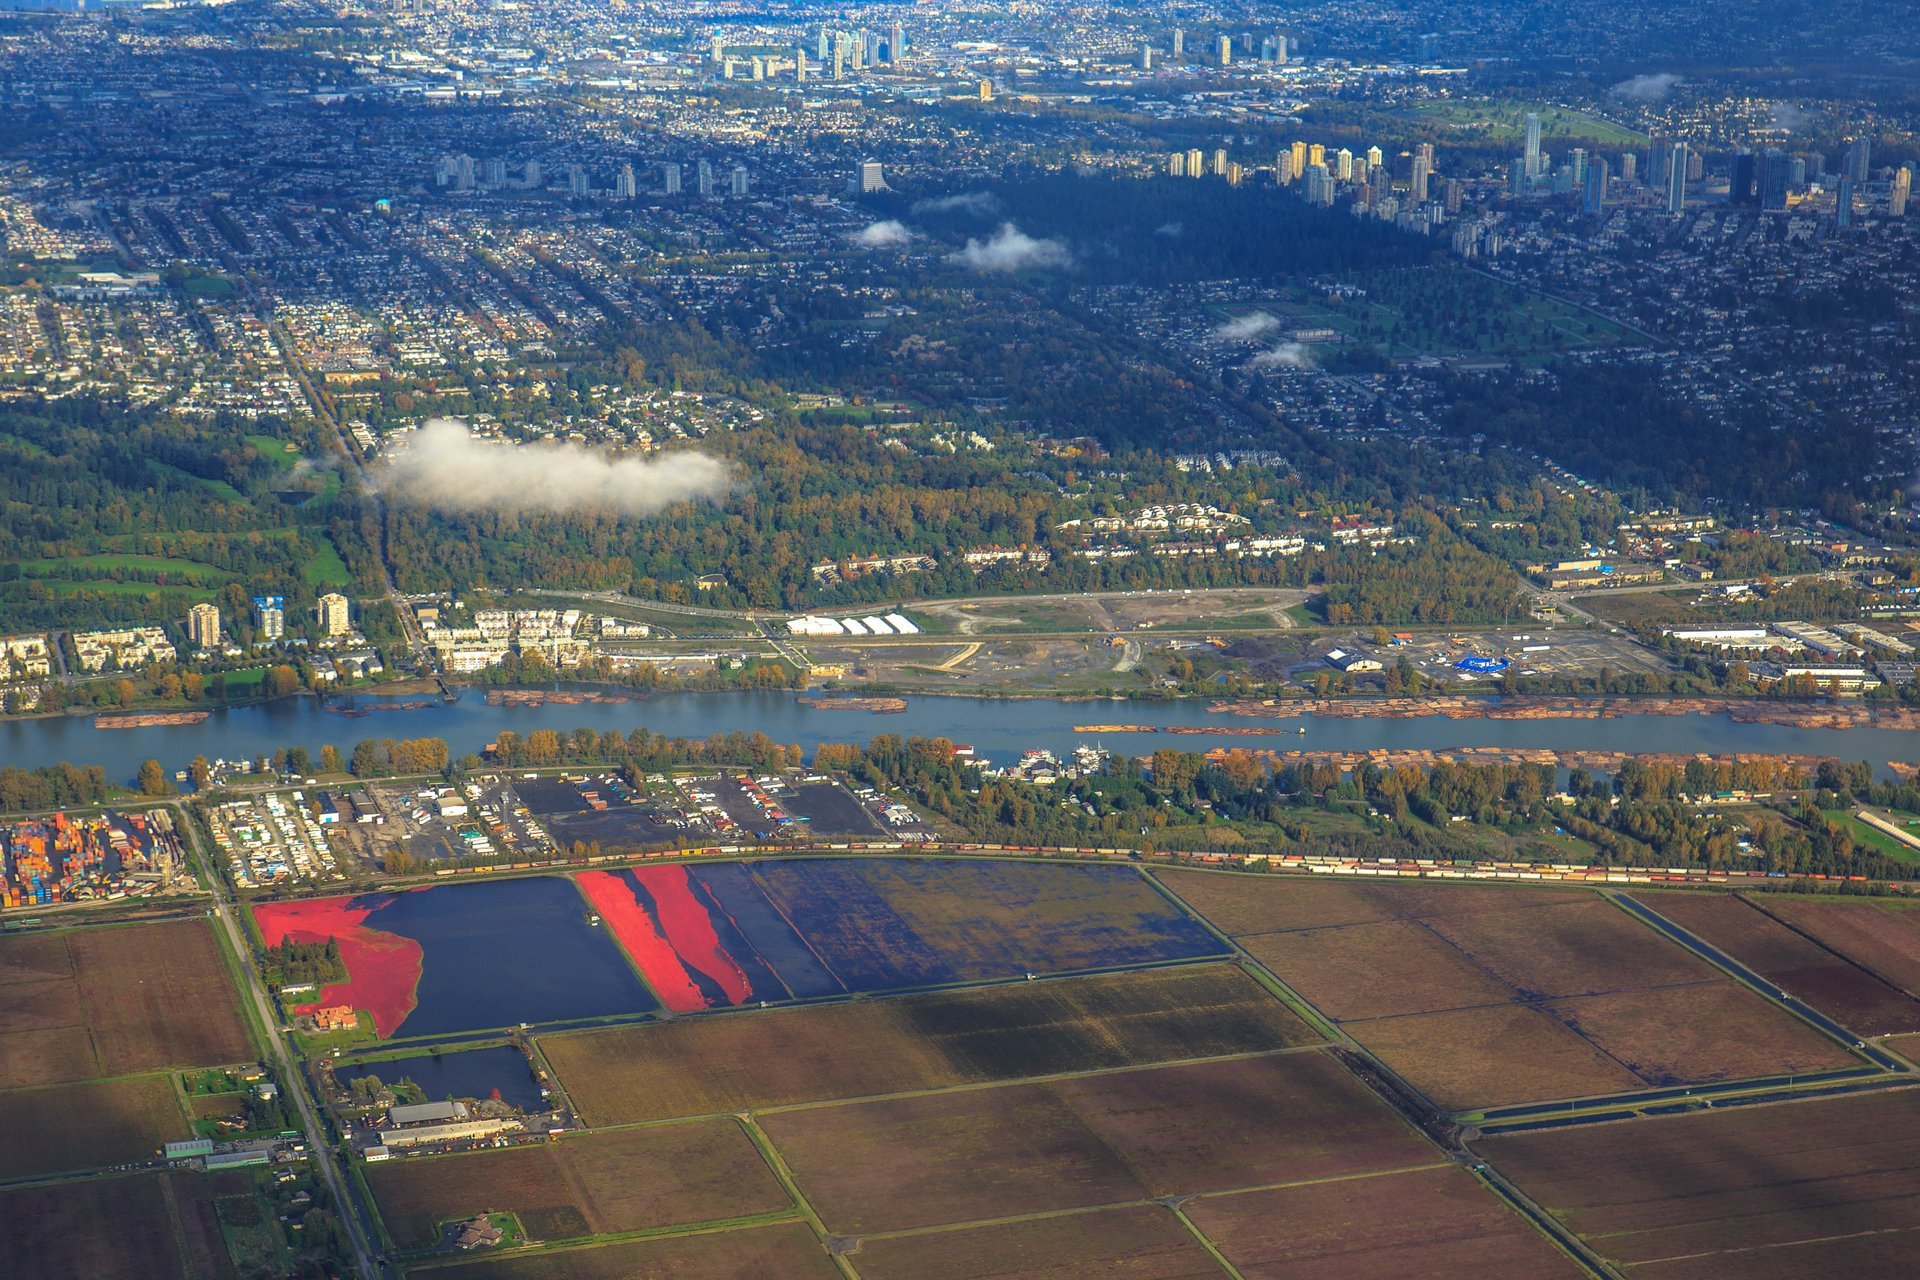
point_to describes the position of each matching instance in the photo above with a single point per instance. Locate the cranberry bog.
(1819, 1187)
(730, 933)
(753, 1060)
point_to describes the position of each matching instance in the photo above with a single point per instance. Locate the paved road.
(293, 1083)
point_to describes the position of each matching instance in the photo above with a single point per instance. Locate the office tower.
(1771, 178)
(623, 184)
(839, 57)
(1797, 172)
(703, 178)
(463, 172)
(800, 64)
(1316, 154)
(870, 177)
(1196, 163)
(1417, 187)
(1219, 162)
(203, 626)
(1319, 185)
(1901, 191)
(1266, 49)
(1630, 167)
(1577, 161)
(270, 616)
(1533, 143)
(1177, 165)
(825, 45)
(870, 40)
(1225, 47)
(670, 179)
(1517, 176)
(530, 176)
(1860, 159)
(1360, 170)
(1299, 159)
(1179, 43)
(1146, 57)
(896, 44)
(738, 180)
(496, 172)
(1280, 49)
(1283, 168)
(334, 614)
(1343, 165)
(1456, 191)
(1677, 178)
(1425, 152)
(1596, 192)
(577, 180)
(716, 50)
(1743, 180)
(1375, 156)
(1843, 202)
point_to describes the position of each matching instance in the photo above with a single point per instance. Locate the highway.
(354, 1215)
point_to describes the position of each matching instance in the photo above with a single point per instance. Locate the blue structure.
(1487, 666)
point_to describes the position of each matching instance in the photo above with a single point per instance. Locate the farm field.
(64, 1127)
(749, 1061)
(465, 957)
(1439, 1222)
(163, 1227)
(597, 1184)
(977, 1154)
(1141, 1242)
(1479, 996)
(1883, 938)
(115, 1000)
(782, 1251)
(1744, 930)
(1826, 1187)
(730, 933)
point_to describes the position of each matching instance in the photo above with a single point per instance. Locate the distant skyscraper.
(203, 626)
(623, 184)
(738, 180)
(1677, 178)
(1375, 157)
(1316, 154)
(986, 91)
(1319, 185)
(1796, 172)
(1629, 167)
(577, 184)
(1860, 159)
(334, 613)
(1146, 57)
(871, 178)
(1417, 188)
(839, 57)
(1456, 189)
(1177, 165)
(703, 178)
(1577, 161)
(1843, 202)
(1225, 47)
(1772, 177)
(1280, 49)
(716, 49)
(800, 63)
(530, 176)
(1196, 163)
(270, 616)
(1596, 190)
(1219, 162)
(1283, 168)
(496, 172)
(670, 179)
(1299, 159)
(825, 46)
(896, 45)
(1179, 43)
(1743, 181)
(1343, 165)
(1901, 192)
(1361, 170)
(1533, 161)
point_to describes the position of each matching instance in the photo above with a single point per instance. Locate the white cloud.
(890, 234)
(1012, 249)
(1245, 327)
(981, 204)
(1288, 355)
(1647, 88)
(443, 465)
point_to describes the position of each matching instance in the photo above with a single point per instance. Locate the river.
(998, 729)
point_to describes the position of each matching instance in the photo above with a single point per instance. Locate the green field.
(79, 569)
(327, 569)
(275, 450)
(1869, 838)
(1504, 119)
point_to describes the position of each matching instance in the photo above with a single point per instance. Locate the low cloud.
(1171, 230)
(981, 204)
(890, 234)
(1012, 249)
(443, 465)
(1246, 327)
(1647, 88)
(1288, 355)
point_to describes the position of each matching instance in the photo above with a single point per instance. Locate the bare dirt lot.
(156, 1227)
(83, 1126)
(782, 1251)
